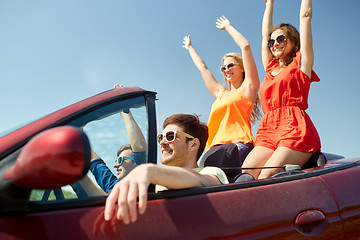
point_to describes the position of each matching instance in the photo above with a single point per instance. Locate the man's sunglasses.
(280, 39)
(170, 136)
(230, 65)
(120, 159)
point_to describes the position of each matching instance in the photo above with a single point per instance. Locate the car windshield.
(107, 128)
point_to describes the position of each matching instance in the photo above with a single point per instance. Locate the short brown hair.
(191, 125)
(123, 148)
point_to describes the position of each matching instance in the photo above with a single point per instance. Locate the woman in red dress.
(285, 135)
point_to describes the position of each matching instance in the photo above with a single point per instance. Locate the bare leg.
(256, 158)
(282, 156)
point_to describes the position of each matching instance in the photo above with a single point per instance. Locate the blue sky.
(53, 53)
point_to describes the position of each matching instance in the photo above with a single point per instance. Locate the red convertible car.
(42, 162)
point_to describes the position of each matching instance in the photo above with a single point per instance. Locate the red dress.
(284, 99)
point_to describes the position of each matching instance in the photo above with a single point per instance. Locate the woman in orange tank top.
(233, 110)
(286, 134)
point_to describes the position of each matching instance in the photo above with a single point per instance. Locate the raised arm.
(89, 187)
(136, 183)
(135, 135)
(215, 88)
(267, 25)
(251, 82)
(306, 43)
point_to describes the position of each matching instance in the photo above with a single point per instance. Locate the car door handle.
(310, 222)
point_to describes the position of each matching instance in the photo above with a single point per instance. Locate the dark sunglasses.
(170, 136)
(230, 65)
(280, 39)
(120, 159)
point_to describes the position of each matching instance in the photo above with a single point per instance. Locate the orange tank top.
(229, 120)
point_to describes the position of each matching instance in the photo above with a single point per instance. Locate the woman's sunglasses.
(170, 136)
(230, 65)
(120, 159)
(280, 39)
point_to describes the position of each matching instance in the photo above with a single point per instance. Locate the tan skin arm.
(136, 183)
(215, 88)
(88, 184)
(306, 43)
(136, 138)
(267, 25)
(249, 88)
(90, 188)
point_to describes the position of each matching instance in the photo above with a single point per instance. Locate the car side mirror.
(54, 158)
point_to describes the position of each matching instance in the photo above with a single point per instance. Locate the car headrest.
(223, 156)
(316, 160)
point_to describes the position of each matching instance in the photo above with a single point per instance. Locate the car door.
(266, 209)
(345, 186)
(59, 213)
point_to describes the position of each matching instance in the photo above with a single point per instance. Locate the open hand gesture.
(222, 22)
(187, 42)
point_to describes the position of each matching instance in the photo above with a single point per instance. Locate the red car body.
(316, 203)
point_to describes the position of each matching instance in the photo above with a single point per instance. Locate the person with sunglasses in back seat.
(181, 143)
(286, 134)
(129, 156)
(236, 105)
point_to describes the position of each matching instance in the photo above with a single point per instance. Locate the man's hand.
(136, 184)
(125, 193)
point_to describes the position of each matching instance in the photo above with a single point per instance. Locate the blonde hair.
(256, 114)
(238, 59)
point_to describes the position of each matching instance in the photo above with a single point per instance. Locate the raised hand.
(270, 1)
(187, 42)
(222, 22)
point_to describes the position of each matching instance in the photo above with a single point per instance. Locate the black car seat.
(317, 159)
(226, 157)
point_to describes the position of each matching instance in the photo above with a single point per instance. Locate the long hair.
(238, 59)
(293, 35)
(256, 114)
